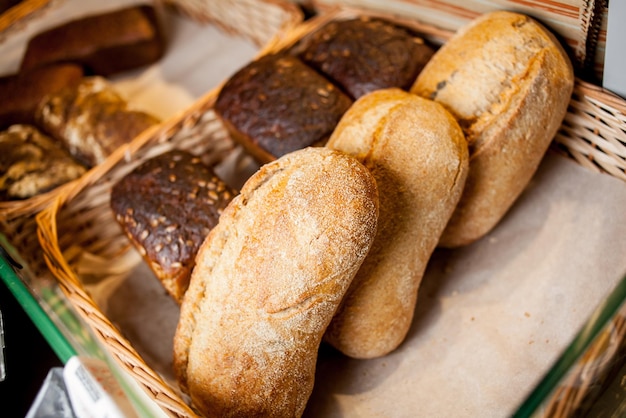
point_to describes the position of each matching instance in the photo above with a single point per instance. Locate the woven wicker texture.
(19, 15)
(80, 219)
(577, 391)
(594, 130)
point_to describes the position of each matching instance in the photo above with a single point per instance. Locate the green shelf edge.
(56, 340)
(51, 331)
(574, 351)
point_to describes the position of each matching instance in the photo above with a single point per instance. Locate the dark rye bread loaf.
(21, 93)
(91, 119)
(32, 163)
(365, 54)
(277, 104)
(104, 44)
(166, 207)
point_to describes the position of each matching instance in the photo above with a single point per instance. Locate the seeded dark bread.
(277, 104)
(91, 119)
(32, 163)
(22, 92)
(104, 44)
(508, 81)
(166, 207)
(267, 282)
(365, 54)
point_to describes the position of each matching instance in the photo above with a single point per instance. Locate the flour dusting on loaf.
(268, 280)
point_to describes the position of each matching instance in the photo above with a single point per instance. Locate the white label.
(93, 390)
(614, 77)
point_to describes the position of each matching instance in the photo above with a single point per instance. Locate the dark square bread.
(166, 207)
(104, 44)
(277, 104)
(365, 54)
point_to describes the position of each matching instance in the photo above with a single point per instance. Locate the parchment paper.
(493, 317)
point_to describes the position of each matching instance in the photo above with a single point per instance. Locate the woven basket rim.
(20, 12)
(292, 11)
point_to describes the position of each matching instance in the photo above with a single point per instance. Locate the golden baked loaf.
(418, 155)
(268, 280)
(508, 82)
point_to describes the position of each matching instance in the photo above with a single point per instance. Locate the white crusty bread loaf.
(418, 155)
(508, 81)
(268, 280)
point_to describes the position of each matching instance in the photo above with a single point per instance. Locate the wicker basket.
(587, 378)
(19, 15)
(80, 221)
(255, 21)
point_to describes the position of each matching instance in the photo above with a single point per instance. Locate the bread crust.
(32, 163)
(419, 157)
(267, 281)
(508, 81)
(364, 54)
(22, 92)
(277, 104)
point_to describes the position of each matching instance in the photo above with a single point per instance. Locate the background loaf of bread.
(103, 44)
(32, 163)
(268, 280)
(418, 155)
(508, 82)
(91, 119)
